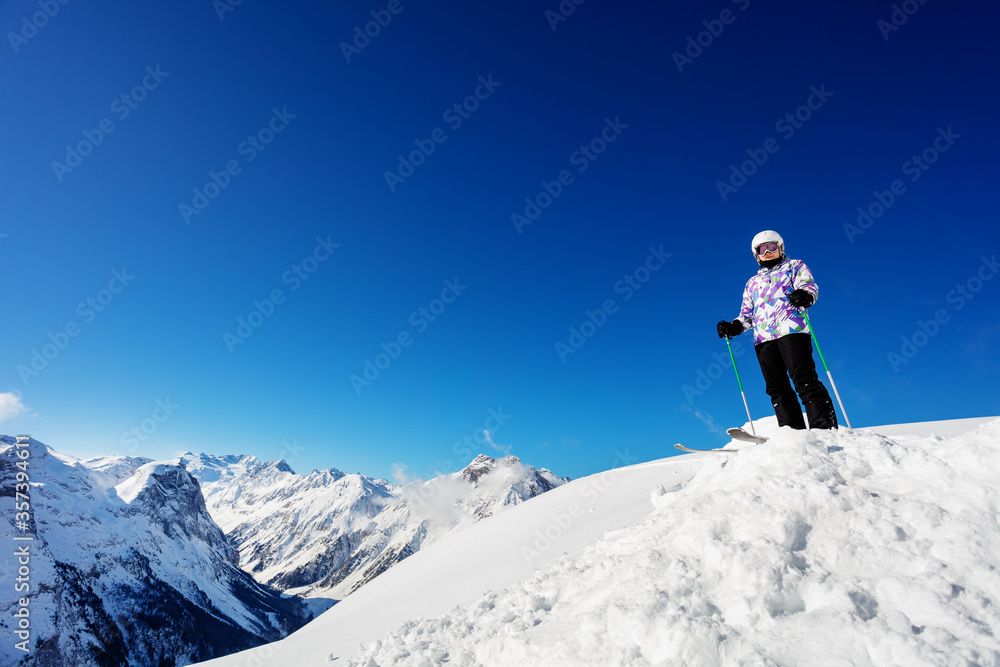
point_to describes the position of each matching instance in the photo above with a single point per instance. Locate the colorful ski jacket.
(765, 301)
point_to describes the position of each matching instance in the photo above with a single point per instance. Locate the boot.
(789, 414)
(821, 414)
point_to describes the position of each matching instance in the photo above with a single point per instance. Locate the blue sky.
(216, 215)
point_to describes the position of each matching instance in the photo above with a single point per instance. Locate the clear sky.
(254, 228)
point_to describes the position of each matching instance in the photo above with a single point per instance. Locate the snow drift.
(835, 547)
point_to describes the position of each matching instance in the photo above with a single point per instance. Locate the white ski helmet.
(767, 236)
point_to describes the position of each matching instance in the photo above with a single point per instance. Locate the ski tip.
(702, 451)
(737, 433)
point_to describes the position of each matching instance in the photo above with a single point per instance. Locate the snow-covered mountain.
(126, 566)
(328, 533)
(426, 512)
(870, 547)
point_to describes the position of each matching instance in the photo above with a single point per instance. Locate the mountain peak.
(280, 465)
(481, 465)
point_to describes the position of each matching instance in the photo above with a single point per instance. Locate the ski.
(698, 451)
(737, 433)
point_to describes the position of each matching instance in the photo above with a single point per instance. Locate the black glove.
(801, 298)
(729, 329)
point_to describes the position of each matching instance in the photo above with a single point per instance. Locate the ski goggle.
(765, 248)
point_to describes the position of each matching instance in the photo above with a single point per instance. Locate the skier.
(771, 307)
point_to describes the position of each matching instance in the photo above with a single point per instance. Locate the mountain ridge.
(133, 571)
(328, 533)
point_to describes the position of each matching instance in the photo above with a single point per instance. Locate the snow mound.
(848, 547)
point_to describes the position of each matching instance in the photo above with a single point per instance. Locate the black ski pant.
(791, 355)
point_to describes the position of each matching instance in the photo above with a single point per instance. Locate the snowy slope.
(114, 469)
(837, 548)
(326, 533)
(127, 567)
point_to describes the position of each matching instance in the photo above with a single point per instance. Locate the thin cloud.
(11, 407)
(488, 436)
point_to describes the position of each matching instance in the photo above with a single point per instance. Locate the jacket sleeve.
(746, 310)
(803, 279)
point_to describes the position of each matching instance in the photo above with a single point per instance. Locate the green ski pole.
(832, 383)
(743, 393)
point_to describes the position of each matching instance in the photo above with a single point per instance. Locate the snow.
(113, 470)
(141, 478)
(325, 534)
(124, 543)
(878, 546)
